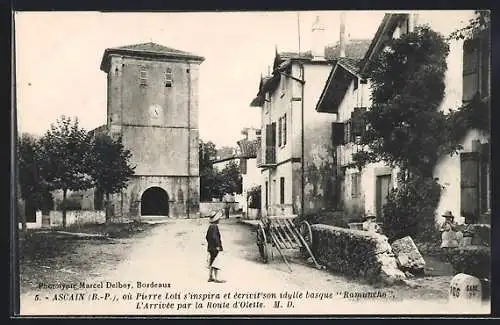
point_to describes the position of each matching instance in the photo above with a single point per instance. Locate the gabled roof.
(354, 48)
(148, 50)
(337, 84)
(345, 69)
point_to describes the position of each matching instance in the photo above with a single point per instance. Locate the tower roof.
(147, 50)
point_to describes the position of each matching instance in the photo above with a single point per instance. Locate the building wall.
(319, 171)
(176, 188)
(164, 147)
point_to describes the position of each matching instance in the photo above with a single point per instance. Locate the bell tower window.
(143, 76)
(168, 77)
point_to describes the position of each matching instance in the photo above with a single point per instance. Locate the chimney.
(317, 38)
(342, 39)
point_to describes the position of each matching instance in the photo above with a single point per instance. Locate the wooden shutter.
(282, 190)
(279, 132)
(484, 178)
(269, 135)
(273, 135)
(348, 137)
(485, 65)
(337, 134)
(469, 185)
(243, 166)
(358, 121)
(470, 69)
(284, 129)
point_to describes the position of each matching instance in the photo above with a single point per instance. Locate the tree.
(65, 147)
(33, 188)
(109, 164)
(207, 152)
(405, 125)
(229, 179)
(407, 129)
(480, 23)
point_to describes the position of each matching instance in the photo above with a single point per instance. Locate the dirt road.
(164, 273)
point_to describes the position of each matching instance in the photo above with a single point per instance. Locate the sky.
(58, 55)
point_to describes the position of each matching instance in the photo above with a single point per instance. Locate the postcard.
(252, 163)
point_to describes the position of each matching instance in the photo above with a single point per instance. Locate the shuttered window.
(284, 129)
(337, 134)
(469, 186)
(348, 136)
(471, 61)
(358, 121)
(282, 190)
(243, 166)
(355, 184)
(279, 131)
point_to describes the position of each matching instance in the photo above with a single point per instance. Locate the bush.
(325, 217)
(354, 253)
(472, 260)
(409, 210)
(254, 193)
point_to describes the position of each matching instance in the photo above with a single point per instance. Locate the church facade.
(152, 105)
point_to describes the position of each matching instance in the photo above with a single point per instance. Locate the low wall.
(207, 207)
(356, 253)
(77, 217)
(33, 225)
(253, 214)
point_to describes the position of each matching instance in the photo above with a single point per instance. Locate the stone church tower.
(153, 106)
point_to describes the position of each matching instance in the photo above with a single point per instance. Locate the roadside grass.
(49, 256)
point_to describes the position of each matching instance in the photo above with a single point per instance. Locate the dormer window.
(143, 76)
(168, 77)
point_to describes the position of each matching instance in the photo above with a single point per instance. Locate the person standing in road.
(214, 247)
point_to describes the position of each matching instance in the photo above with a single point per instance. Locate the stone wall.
(356, 253)
(79, 217)
(207, 207)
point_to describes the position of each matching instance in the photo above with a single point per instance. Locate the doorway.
(383, 187)
(154, 202)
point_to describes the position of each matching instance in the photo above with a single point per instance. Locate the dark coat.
(213, 238)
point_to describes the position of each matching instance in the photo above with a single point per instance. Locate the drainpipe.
(188, 196)
(302, 137)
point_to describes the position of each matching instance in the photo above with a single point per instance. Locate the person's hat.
(448, 214)
(370, 215)
(214, 216)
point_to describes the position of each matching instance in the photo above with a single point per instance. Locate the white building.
(465, 177)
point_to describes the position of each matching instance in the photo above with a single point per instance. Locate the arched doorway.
(154, 202)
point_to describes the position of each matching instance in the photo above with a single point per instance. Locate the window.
(355, 84)
(282, 86)
(143, 76)
(279, 131)
(267, 195)
(282, 190)
(347, 131)
(284, 129)
(168, 78)
(355, 184)
(338, 130)
(475, 187)
(476, 67)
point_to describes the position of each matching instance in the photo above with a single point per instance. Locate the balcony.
(269, 158)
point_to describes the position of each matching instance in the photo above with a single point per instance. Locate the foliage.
(109, 164)
(409, 210)
(33, 187)
(481, 22)
(407, 129)
(405, 126)
(214, 183)
(229, 179)
(326, 217)
(207, 152)
(354, 253)
(472, 260)
(65, 147)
